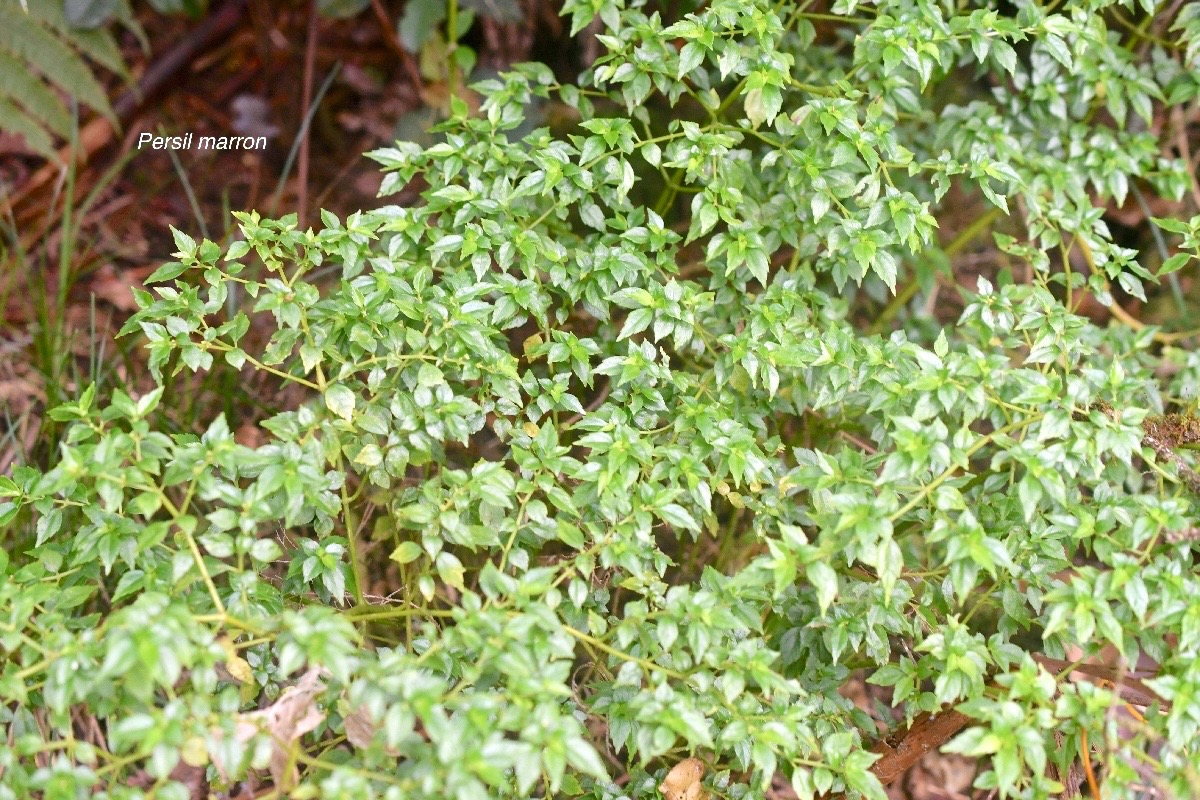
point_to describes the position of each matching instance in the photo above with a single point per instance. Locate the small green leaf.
(421, 18)
(825, 581)
(172, 269)
(450, 570)
(1174, 264)
(678, 516)
(406, 552)
(340, 400)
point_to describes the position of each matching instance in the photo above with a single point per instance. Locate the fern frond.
(17, 121)
(36, 98)
(97, 44)
(42, 58)
(23, 37)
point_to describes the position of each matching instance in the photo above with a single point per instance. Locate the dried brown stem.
(930, 731)
(927, 733)
(393, 41)
(310, 57)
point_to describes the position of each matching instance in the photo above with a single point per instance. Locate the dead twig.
(393, 41)
(928, 732)
(310, 57)
(1125, 684)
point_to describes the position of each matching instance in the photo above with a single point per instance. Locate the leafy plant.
(597, 471)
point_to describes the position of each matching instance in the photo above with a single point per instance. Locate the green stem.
(975, 448)
(352, 540)
(612, 651)
(397, 613)
(208, 581)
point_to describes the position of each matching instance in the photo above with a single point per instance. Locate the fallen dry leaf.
(361, 729)
(236, 666)
(249, 435)
(116, 287)
(294, 714)
(17, 394)
(190, 776)
(941, 776)
(683, 781)
(252, 116)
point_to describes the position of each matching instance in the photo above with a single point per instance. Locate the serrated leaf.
(168, 271)
(25, 37)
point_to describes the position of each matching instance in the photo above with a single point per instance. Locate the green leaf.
(186, 244)
(1174, 264)
(89, 14)
(678, 516)
(420, 20)
(825, 581)
(450, 570)
(406, 552)
(583, 757)
(340, 400)
(1172, 225)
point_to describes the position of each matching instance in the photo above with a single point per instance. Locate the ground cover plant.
(602, 470)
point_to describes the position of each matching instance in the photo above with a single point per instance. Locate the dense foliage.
(597, 465)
